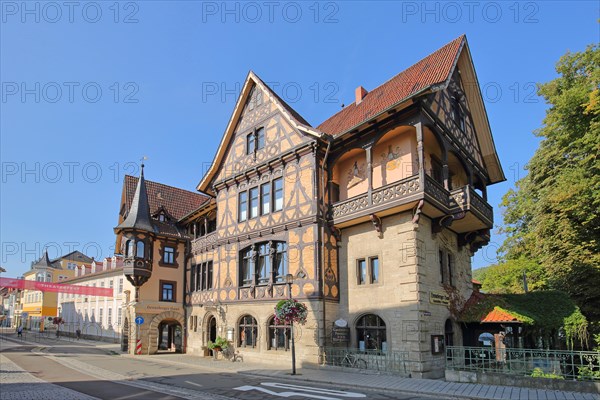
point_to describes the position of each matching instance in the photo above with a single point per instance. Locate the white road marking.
(194, 383)
(305, 391)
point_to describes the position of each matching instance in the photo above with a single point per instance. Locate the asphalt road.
(94, 372)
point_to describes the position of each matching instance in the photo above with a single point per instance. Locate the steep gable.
(257, 107)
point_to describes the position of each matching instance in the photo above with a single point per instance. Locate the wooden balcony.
(202, 243)
(470, 211)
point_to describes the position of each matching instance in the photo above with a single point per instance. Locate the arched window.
(279, 336)
(371, 333)
(140, 249)
(448, 333)
(129, 248)
(248, 331)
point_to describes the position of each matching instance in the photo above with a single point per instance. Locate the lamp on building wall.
(289, 279)
(230, 334)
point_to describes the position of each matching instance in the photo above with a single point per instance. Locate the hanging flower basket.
(288, 311)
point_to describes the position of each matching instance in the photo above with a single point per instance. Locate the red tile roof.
(177, 202)
(499, 315)
(431, 70)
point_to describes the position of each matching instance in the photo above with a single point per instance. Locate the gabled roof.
(431, 74)
(432, 70)
(177, 202)
(75, 256)
(289, 113)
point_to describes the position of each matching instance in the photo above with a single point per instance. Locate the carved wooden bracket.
(376, 222)
(417, 210)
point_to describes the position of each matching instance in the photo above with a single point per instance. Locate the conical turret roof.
(139, 213)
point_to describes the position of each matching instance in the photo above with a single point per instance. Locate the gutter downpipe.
(324, 213)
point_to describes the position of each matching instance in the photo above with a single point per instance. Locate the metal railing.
(390, 361)
(558, 364)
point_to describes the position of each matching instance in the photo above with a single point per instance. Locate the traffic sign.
(139, 320)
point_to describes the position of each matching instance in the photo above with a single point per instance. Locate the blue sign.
(139, 320)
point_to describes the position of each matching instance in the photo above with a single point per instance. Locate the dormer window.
(255, 141)
(161, 217)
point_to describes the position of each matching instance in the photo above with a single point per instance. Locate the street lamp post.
(289, 279)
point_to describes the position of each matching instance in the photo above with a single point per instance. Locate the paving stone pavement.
(18, 384)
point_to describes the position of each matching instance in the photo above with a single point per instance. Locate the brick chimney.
(360, 94)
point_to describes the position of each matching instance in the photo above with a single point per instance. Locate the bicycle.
(353, 361)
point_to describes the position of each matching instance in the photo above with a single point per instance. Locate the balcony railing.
(201, 243)
(409, 189)
(558, 364)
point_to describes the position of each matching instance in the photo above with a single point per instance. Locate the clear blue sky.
(169, 73)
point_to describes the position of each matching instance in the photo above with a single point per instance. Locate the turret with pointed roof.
(139, 213)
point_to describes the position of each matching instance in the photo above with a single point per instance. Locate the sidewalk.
(358, 380)
(18, 384)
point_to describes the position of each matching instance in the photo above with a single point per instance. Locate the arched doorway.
(166, 330)
(211, 332)
(170, 336)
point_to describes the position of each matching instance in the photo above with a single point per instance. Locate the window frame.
(275, 191)
(243, 326)
(373, 281)
(171, 253)
(161, 285)
(273, 333)
(361, 266)
(365, 328)
(251, 199)
(243, 202)
(265, 204)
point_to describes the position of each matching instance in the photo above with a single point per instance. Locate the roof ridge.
(169, 186)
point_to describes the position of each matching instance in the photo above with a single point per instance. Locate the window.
(253, 202)
(457, 113)
(120, 285)
(248, 331)
(247, 266)
(250, 144)
(119, 319)
(371, 333)
(264, 263)
(442, 267)
(109, 317)
(255, 141)
(111, 284)
(362, 272)
(169, 255)
(140, 249)
(278, 194)
(202, 276)
(167, 291)
(243, 204)
(100, 316)
(446, 267)
(374, 269)
(279, 336)
(129, 252)
(161, 217)
(450, 268)
(101, 284)
(280, 263)
(260, 138)
(265, 198)
(193, 277)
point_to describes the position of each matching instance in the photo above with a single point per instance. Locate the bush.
(219, 344)
(539, 373)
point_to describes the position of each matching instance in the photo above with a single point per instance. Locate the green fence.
(557, 364)
(390, 361)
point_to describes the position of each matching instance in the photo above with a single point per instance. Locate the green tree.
(552, 217)
(507, 277)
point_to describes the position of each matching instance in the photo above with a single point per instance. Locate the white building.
(95, 316)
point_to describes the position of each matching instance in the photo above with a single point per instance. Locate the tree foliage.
(507, 277)
(552, 217)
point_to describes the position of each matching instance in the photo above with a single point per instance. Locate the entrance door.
(212, 329)
(170, 336)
